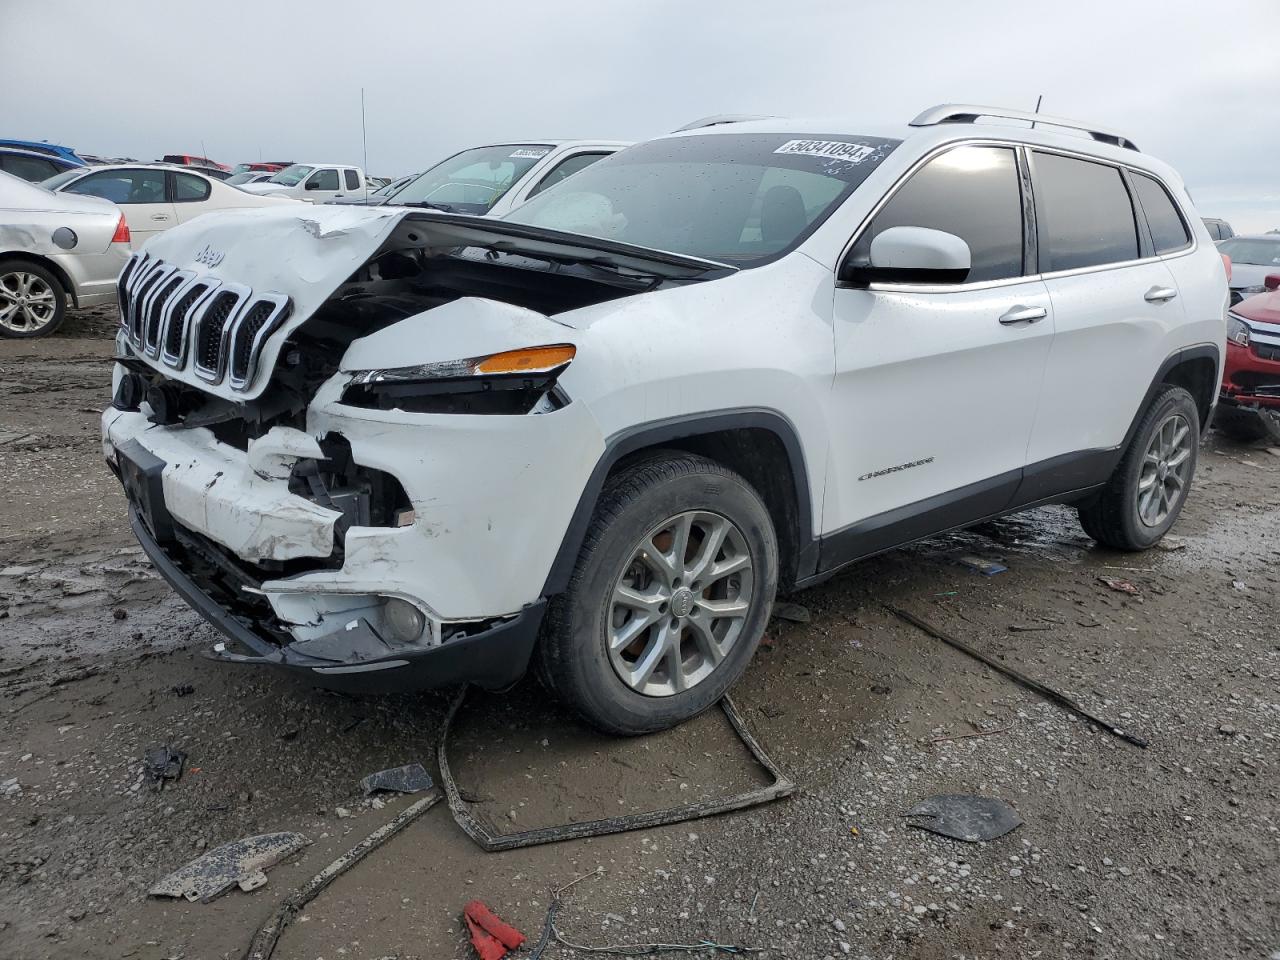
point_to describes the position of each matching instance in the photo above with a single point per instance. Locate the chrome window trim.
(242, 294)
(269, 326)
(179, 360)
(152, 350)
(1009, 142)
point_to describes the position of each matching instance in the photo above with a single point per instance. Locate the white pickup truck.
(317, 182)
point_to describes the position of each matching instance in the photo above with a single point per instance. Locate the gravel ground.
(1172, 851)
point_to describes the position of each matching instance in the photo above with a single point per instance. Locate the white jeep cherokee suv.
(389, 448)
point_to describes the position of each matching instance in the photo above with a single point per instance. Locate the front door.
(937, 387)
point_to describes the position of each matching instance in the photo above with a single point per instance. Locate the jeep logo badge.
(209, 256)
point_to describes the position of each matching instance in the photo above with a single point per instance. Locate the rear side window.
(33, 169)
(972, 192)
(189, 189)
(566, 169)
(1168, 231)
(1084, 213)
(353, 181)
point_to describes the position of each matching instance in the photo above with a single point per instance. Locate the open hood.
(210, 303)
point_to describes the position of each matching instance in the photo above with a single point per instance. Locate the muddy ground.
(1173, 851)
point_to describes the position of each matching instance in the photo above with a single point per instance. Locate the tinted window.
(353, 181)
(33, 169)
(972, 192)
(324, 180)
(189, 189)
(1168, 231)
(1084, 212)
(565, 169)
(123, 186)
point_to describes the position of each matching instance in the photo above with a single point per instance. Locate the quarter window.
(353, 181)
(33, 169)
(971, 192)
(189, 189)
(566, 169)
(1168, 231)
(1084, 212)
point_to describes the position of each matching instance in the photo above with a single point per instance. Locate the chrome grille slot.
(138, 300)
(257, 323)
(156, 312)
(122, 289)
(212, 326)
(174, 347)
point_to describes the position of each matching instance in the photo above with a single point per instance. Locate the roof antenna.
(364, 142)
(1039, 100)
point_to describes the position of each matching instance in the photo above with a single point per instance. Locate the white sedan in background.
(156, 197)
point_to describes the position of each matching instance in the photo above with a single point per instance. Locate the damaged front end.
(329, 427)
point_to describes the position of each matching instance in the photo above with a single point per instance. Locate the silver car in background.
(56, 251)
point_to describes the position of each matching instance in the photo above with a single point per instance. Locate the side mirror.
(912, 255)
(1271, 282)
(312, 184)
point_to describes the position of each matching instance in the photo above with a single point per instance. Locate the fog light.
(405, 622)
(130, 392)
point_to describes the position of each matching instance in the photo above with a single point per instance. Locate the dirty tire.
(16, 267)
(573, 656)
(1246, 426)
(1112, 517)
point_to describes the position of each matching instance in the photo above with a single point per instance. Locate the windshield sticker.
(528, 153)
(828, 150)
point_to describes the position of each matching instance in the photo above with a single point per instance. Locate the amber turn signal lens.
(528, 360)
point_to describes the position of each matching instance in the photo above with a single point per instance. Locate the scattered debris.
(1239, 584)
(1120, 585)
(1227, 730)
(965, 817)
(988, 568)
(1170, 544)
(791, 612)
(119, 613)
(1029, 627)
(10, 787)
(1053, 696)
(240, 862)
(268, 935)
(289, 735)
(490, 840)
(183, 690)
(411, 778)
(976, 733)
(162, 762)
(491, 936)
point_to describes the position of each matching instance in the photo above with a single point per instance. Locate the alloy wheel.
(27, 302)
(680, 604)
(1165, 470)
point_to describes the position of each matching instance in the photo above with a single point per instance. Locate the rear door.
(937, 385)
(191, 195)
(1115, 307)
(141, 192)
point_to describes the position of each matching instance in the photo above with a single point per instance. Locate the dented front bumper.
(293, 585)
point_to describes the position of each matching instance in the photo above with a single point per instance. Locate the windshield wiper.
(422, 203)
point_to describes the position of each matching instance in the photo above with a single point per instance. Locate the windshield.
(66, 176)
(474, 180)
(291, 176)
(1257, 251)
(737, 198)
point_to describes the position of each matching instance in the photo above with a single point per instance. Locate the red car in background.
(263, 166)
(1249, 405)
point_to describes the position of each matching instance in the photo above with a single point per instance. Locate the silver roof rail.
(721, 118)
(970, 113)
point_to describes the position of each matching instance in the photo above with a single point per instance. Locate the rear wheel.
(668, 600)
(33, 301)
(1147, 490)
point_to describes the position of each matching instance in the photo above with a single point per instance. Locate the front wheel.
(1147, 490)
(668, 600)
(32, 300)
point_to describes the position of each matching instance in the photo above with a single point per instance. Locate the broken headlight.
(512, 382)
(1237, 330)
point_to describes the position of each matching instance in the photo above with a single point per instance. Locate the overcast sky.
(1192, 82)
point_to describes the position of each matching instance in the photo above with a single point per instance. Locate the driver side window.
(974, 193)
(324, 180)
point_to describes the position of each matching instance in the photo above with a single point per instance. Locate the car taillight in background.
(1226, 262)
(122, 231)
(1271, 283)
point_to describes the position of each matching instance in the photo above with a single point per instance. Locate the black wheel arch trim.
(659, 432)
(1202, 351)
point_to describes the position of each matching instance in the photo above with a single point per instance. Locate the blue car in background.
(48, 149)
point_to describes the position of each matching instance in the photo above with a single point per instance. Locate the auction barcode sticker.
(831, 149)
(526, 153)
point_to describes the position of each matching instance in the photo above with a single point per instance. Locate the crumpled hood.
(305, 253)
